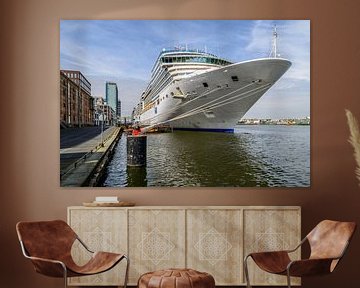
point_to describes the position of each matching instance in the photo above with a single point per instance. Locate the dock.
(83, 164)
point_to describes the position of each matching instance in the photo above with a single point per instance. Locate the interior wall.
(29, 113)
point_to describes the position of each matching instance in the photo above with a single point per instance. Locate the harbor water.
(253, 156)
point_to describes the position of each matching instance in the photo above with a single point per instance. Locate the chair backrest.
(46, 239)
(329, 239)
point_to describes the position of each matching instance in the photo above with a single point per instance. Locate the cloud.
(101, 48)
(290, 96)
(293, 44)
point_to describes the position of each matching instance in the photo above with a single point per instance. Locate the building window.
(205, 84)
(235, 78)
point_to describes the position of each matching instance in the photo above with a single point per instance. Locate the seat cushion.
(176, 278)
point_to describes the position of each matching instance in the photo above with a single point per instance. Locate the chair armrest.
(84, 245)
(281, 251)
(45, 260)
(309, 267)
(271, 261)
(298, 246)
(48, 267)
(268, 253)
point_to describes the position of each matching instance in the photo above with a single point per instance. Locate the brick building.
(76, 103)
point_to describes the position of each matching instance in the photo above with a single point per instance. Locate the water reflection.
(255, 156)
(199, 159)
(136, 176)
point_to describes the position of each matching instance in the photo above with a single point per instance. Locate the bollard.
(136, 150)
(136, 176)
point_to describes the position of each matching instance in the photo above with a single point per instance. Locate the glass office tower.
(111, 92)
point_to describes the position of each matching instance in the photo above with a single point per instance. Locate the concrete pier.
(88, 170)
(77, 142)
(136, 150)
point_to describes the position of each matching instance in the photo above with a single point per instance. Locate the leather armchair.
(328, 242)
(48, 245)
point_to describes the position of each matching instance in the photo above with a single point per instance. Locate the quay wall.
(90, 169)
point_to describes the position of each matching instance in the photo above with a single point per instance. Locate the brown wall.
(29, 114)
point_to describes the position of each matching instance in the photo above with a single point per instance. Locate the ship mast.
(273, 53)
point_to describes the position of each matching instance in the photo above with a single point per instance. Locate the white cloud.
(290, 96)
(293, 44)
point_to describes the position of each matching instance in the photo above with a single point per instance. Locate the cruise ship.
(196, 90)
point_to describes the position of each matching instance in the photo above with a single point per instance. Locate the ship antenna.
(273, 53)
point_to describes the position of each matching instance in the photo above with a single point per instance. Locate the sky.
(124, 51)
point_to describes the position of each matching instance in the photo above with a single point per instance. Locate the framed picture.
(214, 103)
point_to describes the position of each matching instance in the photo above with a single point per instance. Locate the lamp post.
(101, 114)
(102, 128)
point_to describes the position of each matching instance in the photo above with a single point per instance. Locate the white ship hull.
(215, 100)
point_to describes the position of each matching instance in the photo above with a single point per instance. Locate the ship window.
(206, 84)
(235, 78)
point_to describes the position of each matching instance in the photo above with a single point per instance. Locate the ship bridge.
(176, 64)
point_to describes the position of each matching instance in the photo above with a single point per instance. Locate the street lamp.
(101, 113)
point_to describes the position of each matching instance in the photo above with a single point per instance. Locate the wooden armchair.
(328, 242)
(48, 245)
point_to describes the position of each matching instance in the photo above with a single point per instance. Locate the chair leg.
(288, 278)
(65, 275)
(127, 271)
(246, 272)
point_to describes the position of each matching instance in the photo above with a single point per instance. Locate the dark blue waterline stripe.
(222, 130)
